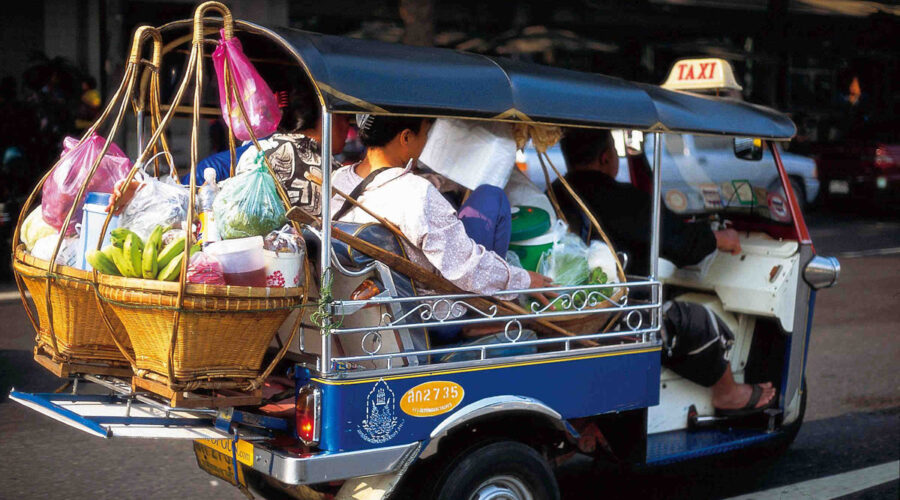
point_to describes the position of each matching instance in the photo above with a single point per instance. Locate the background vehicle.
(688, 152)
(860, 171)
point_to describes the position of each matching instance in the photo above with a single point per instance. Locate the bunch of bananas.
(131, 257)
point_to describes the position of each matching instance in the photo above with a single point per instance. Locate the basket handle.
(585, 209)
(150, 82)
(227, 20)
(232, 92)
(123, 93)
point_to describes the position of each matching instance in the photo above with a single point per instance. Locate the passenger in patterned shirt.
(466, 247)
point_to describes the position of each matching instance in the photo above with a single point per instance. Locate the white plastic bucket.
(283, 269)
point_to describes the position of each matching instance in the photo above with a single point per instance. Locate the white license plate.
(839, 187)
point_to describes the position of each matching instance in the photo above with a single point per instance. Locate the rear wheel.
(800, 192)
(501, 470)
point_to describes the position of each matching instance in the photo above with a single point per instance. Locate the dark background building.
(831, 64)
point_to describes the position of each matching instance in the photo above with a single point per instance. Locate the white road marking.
(870, 253)
(11, 296)
(832, 486)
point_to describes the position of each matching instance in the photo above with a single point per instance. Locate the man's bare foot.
(737, 396)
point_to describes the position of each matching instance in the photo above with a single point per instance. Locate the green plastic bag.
(248, 205)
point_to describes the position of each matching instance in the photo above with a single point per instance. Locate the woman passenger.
(467, 248)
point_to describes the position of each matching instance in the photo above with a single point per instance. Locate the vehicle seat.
(393, 285)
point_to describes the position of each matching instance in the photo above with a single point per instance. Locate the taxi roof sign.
(702, 74)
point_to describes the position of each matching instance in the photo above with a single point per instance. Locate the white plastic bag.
(566, 262)
(471, 153)
(68, 254)
(600, 255)
(34, 228)
(156, 203)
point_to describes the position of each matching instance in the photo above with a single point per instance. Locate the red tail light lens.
(883, 158)
(308, 412)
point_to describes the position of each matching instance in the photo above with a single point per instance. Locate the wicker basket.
(222, 331)
(80, 333)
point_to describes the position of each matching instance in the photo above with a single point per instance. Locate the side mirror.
(748, 148)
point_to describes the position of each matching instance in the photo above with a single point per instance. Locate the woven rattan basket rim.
(24, 260)
(171, 287)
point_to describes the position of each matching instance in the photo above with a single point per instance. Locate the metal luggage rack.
(124, 407)
(637, 325)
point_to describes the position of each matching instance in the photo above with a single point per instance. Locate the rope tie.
(322, 315)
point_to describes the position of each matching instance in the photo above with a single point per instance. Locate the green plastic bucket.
(530, 250)
(528, 222)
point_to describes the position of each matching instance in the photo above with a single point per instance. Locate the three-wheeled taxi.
(379, 412)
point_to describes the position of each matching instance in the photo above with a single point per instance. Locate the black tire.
(494, 467)
(789, 432)
(800, 191)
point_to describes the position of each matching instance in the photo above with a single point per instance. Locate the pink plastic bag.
(259, 101)
(58, 193)
(204, 269)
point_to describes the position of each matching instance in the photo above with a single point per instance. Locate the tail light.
(883, 158)
(308, 414)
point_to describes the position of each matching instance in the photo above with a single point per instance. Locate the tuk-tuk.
(379, 413)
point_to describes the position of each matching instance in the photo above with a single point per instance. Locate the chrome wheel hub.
(502, 488)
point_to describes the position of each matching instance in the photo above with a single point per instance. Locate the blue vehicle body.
(630, 380)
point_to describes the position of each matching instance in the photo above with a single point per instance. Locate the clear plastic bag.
(283, 250)
(248, 205)
(156, 203)
(284, 240)
(566, 262)
(204, 269)
(61, 188)
(512, 258)
(259, 101)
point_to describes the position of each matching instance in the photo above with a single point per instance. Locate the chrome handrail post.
(325, 247)
(655, 224)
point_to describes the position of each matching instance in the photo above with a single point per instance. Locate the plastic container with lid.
(242, 260)
(530, 250)
(530, 234)
(92, 219)
(528, 222)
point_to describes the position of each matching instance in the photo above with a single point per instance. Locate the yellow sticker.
(432, 398)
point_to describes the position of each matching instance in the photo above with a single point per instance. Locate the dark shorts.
(695, 342)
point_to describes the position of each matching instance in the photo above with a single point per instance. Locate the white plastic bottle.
(205, 197)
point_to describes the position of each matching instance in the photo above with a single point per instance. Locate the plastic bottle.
(205, 197)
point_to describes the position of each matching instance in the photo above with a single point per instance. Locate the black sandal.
(750, 407)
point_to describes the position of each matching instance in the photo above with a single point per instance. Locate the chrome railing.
(633, 323)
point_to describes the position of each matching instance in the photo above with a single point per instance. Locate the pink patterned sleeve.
(441, 236)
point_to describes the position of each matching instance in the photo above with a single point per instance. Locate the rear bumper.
(322, 467)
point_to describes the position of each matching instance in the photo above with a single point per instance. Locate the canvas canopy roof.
(355, 75)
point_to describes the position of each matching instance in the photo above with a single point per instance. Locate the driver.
(695, 338)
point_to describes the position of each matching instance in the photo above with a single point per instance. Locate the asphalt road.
(852, 416)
